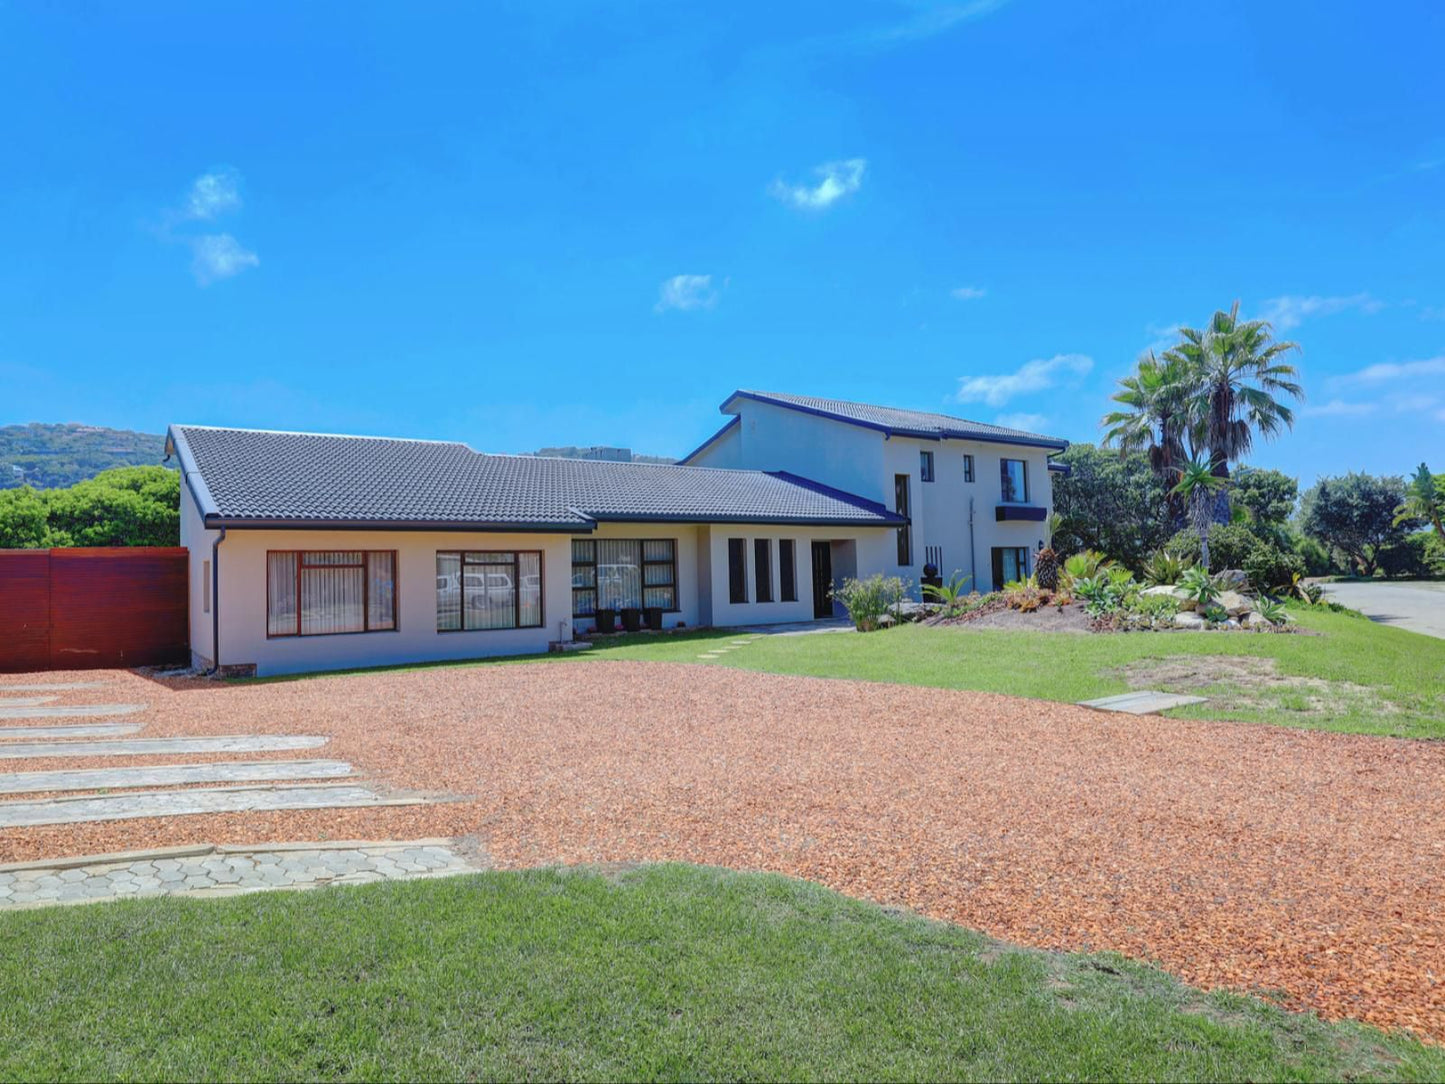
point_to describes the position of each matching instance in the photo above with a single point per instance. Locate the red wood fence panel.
(24, 610)
(101, 607)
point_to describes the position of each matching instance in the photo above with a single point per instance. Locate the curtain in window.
(381, 590)
(489, 590)
(619, 573)
(332, 594)
(529, 576)
(281, 594)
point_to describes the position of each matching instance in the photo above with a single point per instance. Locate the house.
(314, 551)
(976, 496)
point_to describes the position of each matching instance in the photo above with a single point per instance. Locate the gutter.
(216, 603)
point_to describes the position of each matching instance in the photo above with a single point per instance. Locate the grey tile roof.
(909, 423)
(254, 477)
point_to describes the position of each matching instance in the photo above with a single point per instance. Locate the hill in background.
(609, 455)
(52, 456)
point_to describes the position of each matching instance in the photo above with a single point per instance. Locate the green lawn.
(668, 972)
(1377, 680)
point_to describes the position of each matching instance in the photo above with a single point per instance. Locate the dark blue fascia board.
(894, 431)
(255, 523)
(731, 424)
(1065, 469)
(1027, 513)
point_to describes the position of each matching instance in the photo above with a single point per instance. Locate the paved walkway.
(139, 747)
(1419, 607)
(66, 711)
(223, 871)
(96, 730)
(165, 775)
(178, 803)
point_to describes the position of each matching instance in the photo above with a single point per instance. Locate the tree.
(1111, 502)
(1269, 496)
(1234, 380)
(1355, 515)
(1424, 500)
(1198, 485)
(126, 506)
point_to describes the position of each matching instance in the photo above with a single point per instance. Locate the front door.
(822, 579)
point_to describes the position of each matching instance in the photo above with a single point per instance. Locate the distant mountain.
(598, 451)
(47, 456)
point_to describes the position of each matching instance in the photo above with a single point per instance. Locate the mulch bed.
(1243, 856)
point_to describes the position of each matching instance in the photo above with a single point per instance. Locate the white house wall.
(416, 639)
(772, 438)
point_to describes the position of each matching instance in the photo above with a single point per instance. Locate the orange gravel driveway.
(1252, 857)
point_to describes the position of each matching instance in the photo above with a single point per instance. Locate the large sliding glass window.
(478, 590)
(623, 573)
(1010, 563)
(321, 592)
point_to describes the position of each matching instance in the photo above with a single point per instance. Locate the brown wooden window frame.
(644, 563)
(787, 570)
(301, 566)
(515, 566)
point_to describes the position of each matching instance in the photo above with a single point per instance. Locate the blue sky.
(554, 223)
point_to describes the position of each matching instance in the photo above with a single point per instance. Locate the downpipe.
(216, 604)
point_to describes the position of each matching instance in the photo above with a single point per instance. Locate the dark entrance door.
(822, 579)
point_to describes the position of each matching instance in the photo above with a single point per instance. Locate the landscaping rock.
(1256, 621)
(1166, 589)
(1235, 604)
(1186, 620)
(1231, 579)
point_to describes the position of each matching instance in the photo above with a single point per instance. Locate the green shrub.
(1165, 568)
(868, 600)
(950, 595)
(1408, 558)
(1199, 586)
(1235, 545)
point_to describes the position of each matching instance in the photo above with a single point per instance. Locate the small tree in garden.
(868, 600)
(1198, 486)
(1356, 514)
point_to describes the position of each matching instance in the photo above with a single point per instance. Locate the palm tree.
(1424, 499)
(1197, 485)
(1153, 420)
(1235, 379)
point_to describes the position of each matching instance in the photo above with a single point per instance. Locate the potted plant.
(606, 619)
(631, 618)
(653, 615)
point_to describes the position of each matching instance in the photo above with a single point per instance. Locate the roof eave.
(280, 523)
(731, 424)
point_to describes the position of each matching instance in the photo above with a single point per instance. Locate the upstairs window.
(1014, 474)
(968, 468)
(925, 466)
(321, 592)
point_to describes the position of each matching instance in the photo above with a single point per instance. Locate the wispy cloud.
(219, 256)
(930, 18)
(1339, 408)
(686, 292)
(1392, 370)
(1036, 375)
(1162, 336)
(1030, 423)
(967, 293)
(1292, 310)
(839, 179)
(213, 194)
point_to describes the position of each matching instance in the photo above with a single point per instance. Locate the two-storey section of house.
(976, 496)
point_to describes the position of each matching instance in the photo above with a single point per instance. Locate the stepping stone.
(166, 775)
(56, 711)
(1143, 702)
(25, 701)
(52, 686)
(709, 655)
(138, 747)
(177, 803)
(99, 730)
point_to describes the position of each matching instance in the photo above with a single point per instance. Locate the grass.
(1379, 680)
(664, 972)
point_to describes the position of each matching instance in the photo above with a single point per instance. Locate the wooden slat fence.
(81, 609)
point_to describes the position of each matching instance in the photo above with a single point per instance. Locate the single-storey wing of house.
(977, 496)
(312, 551)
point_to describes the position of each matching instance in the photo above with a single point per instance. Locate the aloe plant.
(1198, 587)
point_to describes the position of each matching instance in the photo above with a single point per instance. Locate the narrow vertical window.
(925, 466)
(968, 468)
(787, 570)
(205, 587)
(737, 570)
(763, 569)
(900, 505)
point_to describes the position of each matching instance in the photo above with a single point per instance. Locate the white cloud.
(1292, 310)
(1339, 408)
(1030, 423)
(967, 293)
(838, 180)
(214, 194)
(1393, 370)
(1162, 336)
(1036, 375)
(934, 18)
(687, 292)
(219, 256)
